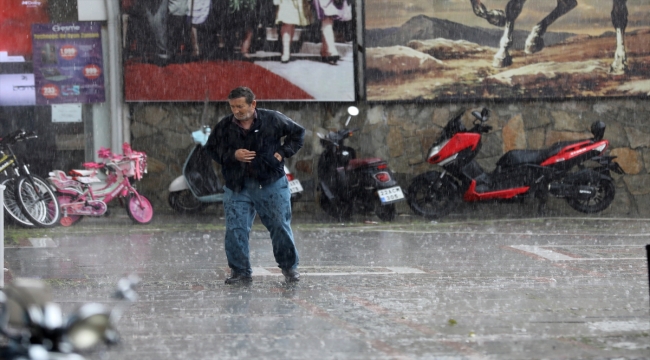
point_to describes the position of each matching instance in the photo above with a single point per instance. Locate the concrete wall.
(403, 133)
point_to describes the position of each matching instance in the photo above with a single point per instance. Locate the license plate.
(390, 195)
(294, 186)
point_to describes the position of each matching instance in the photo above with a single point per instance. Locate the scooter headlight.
(436, 149)
(88, 326)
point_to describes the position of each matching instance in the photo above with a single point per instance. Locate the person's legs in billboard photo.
(156, 13)
(291, 13)
(242, 20)
(329, 11)
(199, 12)
(179, 30)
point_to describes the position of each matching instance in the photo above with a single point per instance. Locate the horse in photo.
(535, 41)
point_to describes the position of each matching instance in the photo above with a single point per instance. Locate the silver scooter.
(200, 186)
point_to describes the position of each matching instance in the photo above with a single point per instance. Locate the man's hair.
(244, 92)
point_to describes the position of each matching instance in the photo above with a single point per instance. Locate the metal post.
(116, 94)
(2, 236)
(647, 252)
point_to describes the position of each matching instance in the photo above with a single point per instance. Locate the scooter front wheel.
(139, 211)
(429, 198)
(184, 202)
(340, 210)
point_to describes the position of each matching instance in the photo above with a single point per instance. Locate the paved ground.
(552, 288)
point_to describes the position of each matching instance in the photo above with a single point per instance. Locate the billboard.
(68, 65)
(16, 19)
(190, 50)
(465, 50)
(17, 90)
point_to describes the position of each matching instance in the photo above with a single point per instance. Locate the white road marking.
(556, 256)
(619, 326)
(42, 242)
(393, 270)
(405, 270)
(260, 271)
(541, 252)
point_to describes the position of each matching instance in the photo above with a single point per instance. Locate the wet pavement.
(549, 288)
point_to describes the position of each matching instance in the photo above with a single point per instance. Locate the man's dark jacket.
(264, 137)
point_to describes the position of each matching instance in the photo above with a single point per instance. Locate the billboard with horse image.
(506, 49)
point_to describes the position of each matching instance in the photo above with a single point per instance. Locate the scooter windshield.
(455, 125)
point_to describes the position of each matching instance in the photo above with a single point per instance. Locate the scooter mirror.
(353, 111)
(485, 114)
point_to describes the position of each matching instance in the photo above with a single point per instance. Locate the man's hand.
(244, 155)
(278, 156)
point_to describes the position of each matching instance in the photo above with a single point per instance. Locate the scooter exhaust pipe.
(581, 192)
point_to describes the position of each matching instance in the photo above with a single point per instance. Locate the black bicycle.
(28, 199)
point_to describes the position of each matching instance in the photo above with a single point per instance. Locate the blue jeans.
(272, 203)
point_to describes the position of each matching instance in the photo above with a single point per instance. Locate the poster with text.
(506, 49)
(197, 50)
(68, 66)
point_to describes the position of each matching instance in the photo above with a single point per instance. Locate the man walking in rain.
(248, 146)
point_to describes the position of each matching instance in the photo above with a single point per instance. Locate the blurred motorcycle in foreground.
(36, 329)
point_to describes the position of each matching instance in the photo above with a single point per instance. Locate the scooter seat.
(357, 163)
(536, 157)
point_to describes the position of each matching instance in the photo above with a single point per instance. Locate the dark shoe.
(331, 59)
(160, 62)
(237, 278)
(291, 275)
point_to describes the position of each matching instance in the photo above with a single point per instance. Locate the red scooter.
(559, 170)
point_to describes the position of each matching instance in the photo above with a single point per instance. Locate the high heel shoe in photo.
(332, 59)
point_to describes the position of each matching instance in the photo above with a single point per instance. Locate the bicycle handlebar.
(18, 135)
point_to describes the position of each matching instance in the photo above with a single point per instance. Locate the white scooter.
(199, 186)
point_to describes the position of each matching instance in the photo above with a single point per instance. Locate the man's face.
(241, 109)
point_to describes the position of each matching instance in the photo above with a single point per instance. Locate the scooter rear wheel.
(428, 200)
(184, 202)
(605, 191)
(385, 212)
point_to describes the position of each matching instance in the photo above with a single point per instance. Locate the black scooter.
(347, 184)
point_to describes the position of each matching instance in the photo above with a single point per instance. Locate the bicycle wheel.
(139, 211)
(37, 201)
(70, 219)
(12, 210)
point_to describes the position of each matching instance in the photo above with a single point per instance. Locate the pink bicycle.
(83, 193)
